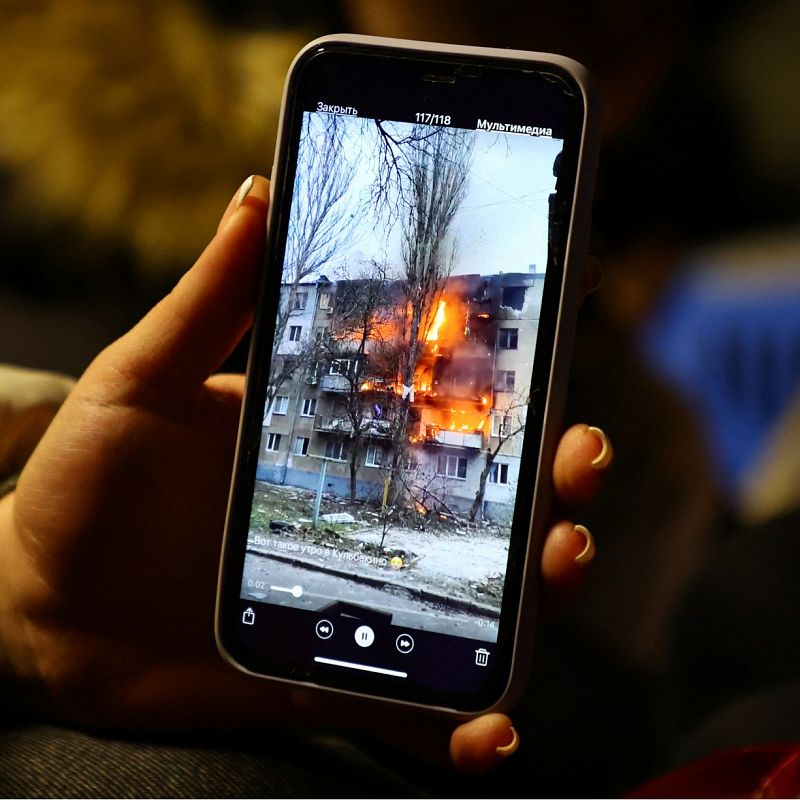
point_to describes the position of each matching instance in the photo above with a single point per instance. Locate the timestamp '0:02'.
(433, 119)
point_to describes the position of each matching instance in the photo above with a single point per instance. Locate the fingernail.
(504, 751)
(587, 554)
(606, 454)
(245, 190)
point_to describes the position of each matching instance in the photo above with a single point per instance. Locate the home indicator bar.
(364, 667)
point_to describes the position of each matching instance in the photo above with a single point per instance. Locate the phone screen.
(399, 375)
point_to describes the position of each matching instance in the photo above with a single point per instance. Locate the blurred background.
(125, 127)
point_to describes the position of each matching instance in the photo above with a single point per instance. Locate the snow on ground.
(452, 559)
(472, 555)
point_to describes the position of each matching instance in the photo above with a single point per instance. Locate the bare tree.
(321, 225)
(395, 145)
(428, 490)
(362, 330)
(512, 424)
(323, 217)
(432, 186)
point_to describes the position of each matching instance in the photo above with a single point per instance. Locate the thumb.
(186, 337)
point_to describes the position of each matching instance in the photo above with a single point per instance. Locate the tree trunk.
(477, 503)
(354, 454)
(399, 437)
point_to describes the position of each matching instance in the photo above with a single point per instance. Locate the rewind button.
(324, 629)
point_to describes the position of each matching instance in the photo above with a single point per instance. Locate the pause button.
(365, 636)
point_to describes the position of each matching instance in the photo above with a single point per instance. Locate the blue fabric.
(731, 348)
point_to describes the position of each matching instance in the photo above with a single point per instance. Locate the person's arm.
(109, 545)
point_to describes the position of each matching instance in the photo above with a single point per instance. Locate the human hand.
(111, 541)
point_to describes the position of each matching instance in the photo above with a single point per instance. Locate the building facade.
(467, 403)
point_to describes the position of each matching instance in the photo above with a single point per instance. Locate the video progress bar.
(380, 670)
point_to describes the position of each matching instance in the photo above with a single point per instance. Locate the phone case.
(560, 364)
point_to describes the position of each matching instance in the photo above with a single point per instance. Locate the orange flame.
(433, 333)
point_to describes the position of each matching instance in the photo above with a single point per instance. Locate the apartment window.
(290, 364)
(341, 366)
(281, 404)
(301, 445)
(325, 300)
(335, 449)
(319, 333)
(374, 456)
(513, 297)
(273, 442)
(300, 301)
(502, 424)
(498, 473)
(498, 423)
(507, 338)
(294, 333)
(312, 373)
(309, 407)
(506, 378)
(452, 467)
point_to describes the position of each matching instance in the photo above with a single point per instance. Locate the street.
(320, 588)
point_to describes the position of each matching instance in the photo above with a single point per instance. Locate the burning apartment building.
(459, 426)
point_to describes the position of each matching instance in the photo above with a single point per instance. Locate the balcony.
(379, 385)
(468, 439)
(328, 424)
(335, 383)
(325, 423)
(381, 428)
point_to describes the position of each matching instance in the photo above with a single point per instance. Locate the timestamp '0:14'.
(427, 118)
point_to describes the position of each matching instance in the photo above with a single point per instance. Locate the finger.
(583, 457)
(481, 744)
(192, 330)
(229, 386)
(567, 552)
(237, 200)
(225, 393)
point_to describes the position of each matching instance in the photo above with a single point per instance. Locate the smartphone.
(429, 216)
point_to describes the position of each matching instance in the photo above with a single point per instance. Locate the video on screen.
(400, 371)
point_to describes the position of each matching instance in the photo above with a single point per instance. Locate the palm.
(147, 499)
(130, 561)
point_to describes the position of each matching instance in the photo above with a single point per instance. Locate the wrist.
(20, 686)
